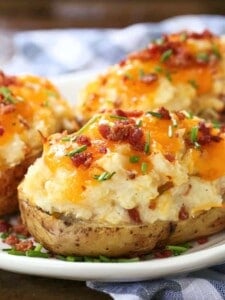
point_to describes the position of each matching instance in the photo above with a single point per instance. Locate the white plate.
(200, 256)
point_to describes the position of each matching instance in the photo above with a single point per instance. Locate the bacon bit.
(149, 78)
(183, 213)
(21, 229)
(206, 34)
(134, 215)
(102, 149)
(7, 80)
(24, 246)
(163, 254)
(131, 174)
(164, 113)
(11, 240)
(180, 115)
(206, 137)
(84, 158)
(152, 204)
(83, 140)
(122, 63)
(163, 188)
(129, 114)
(202, 240)
(7, 108)
(170, 157)
(124, 131)
(4, 226)
(2, 130)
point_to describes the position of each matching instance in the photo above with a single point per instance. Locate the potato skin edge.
(92, 239)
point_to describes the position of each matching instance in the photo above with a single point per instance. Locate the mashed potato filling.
(117, 169)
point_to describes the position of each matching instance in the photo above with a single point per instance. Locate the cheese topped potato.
(30, 109)
(179, 71)
(124, 182)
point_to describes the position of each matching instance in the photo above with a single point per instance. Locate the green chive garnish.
(76, 151)
(216, 124)
(88, 124)
(141, 73)
(4, 235)
(147, 143)
(155, 114)
(193, 83)
(188, 115)
(139, 123)
(177, 250)
(33, 253)
(202, 57)
(216, 51)
(66, 139)
(118, 117)
(104, 176)
(194, 137)
(183, 36)
(158, 69)
(38, 248)
(166, 55)
(7, 95)
(134, 159)
(16, 252)
(144, 168)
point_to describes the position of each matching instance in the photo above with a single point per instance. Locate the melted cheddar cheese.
(155, 163)
(178, 71)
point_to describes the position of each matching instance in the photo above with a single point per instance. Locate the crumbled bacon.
(21, 229)
(164, 113)
(124, 131)
(180, 115)
(7, 108)
(149, 78)
(163, 188)
(12, 240)
(4, 226)
(83, 140)
(2, 130)
(206, 34)
(205, 135)
(134, 215)
(24, 245)
(170, 157)
(84, 158)
(131, 174)
(183, 213)
(7, 80)
(202, 240)
(163, 253)
(102, 149)
(129, 114)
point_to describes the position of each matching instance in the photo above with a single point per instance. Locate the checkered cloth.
(62, 51)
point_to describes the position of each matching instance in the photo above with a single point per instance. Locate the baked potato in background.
(126, 183)
(179, 71)
(31, 108)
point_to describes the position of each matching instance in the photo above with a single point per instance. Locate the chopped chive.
(103, 258)
(194, 134)
(188, 115)
(170, 131)
(134, 159)
(76, 151)
(216, 124)
(66, 139)
(88, 124)
(183, 36)
(8, 96)
(177, 250)
(155, 114)
(33, 253)
(118, 117)
(141, 73)
(16, 252)
(168, 75)
(124, 260)
(4, 235)
(147, 144)
(144, 168)
(193, 83)
(216, 51)
(60, 257)
(139, 123)
(21, 236)
(202, 57)
(6, 249)
(38, 248)
(104, 176)
(166, 55)
(158, 69)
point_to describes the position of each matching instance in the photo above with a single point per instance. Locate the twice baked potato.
(126, 183)
(30, 110)
(178, 71)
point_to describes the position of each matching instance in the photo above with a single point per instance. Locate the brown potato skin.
(10, 179)
(89, 239)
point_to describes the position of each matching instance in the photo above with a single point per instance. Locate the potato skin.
(10, 179)
(83, 238)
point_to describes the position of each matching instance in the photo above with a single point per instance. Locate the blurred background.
(44, 14)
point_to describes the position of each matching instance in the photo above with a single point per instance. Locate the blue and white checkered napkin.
(62, 51)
